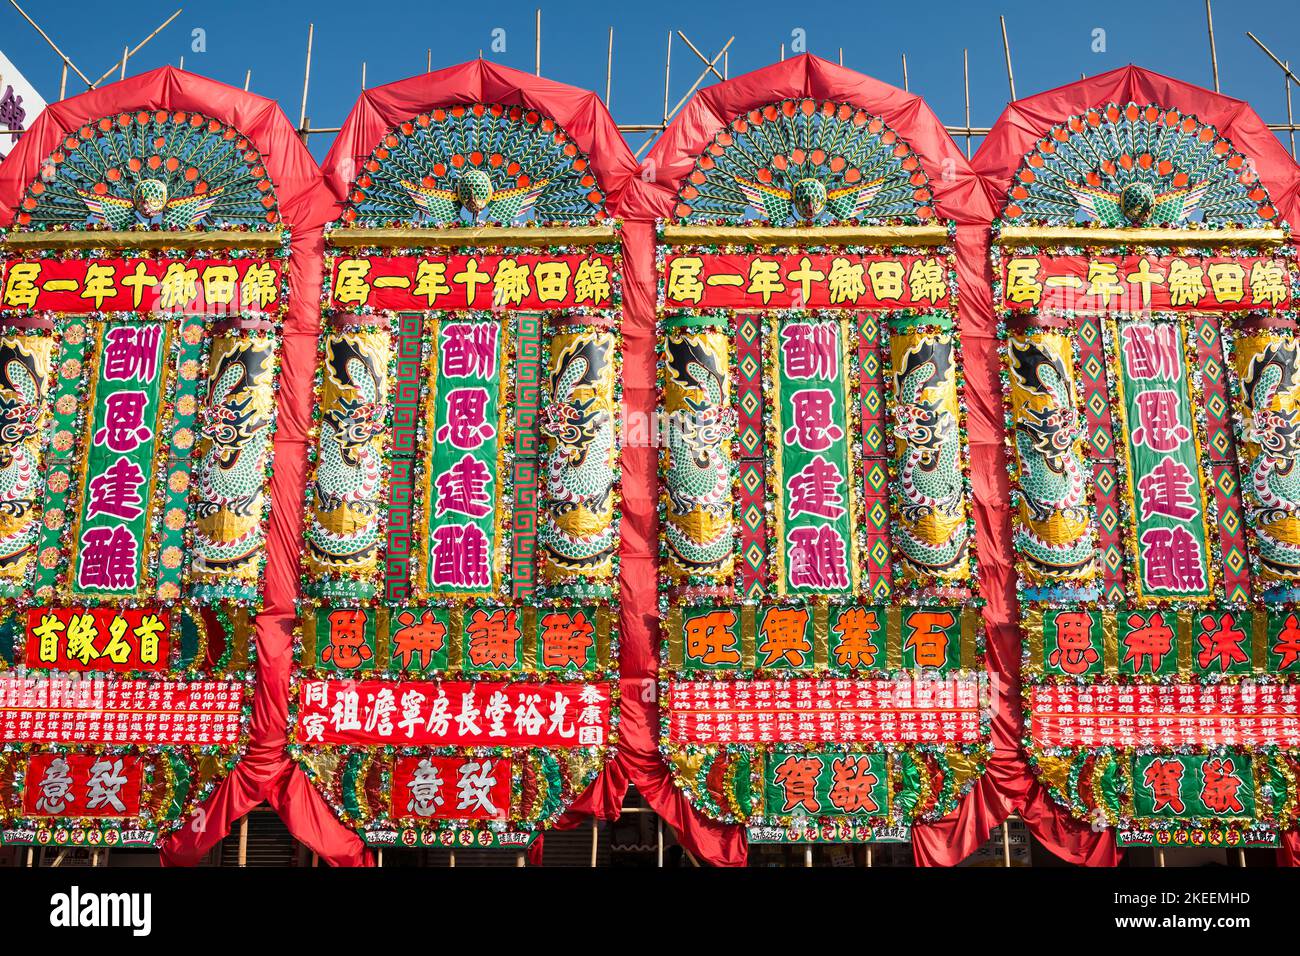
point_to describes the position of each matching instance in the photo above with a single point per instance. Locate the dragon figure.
(699, 468)
(579, 473)
(232, 469)
(1272, 476)
(930, 477)
(22, 391)
(1052, 478)
(349, 469)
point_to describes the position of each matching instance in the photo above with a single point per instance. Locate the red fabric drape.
(264, 772)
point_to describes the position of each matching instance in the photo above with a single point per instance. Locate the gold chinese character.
(20, 287)
(510, 285)
(886, 279)
(146, 633)
(1103, 281)
(765, 279)
(179, 286)
(1145, 278)
(927, 281)
(591, 283)
(219, 284)
(137, 282)
(846, 282)
(684, 283)
(118, 650)
(552, 280)
(81, 638)
(805, 275)
(431, 280)
(350, 285)
(1267, 282)
(1186, 283)
(47, 633)
(471, 278)
(1022, 281)
(1228, 280)
(98, 284)
(259, 287)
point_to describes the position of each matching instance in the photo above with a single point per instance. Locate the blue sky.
(1051, 45)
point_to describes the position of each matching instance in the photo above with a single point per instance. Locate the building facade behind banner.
(492, 481)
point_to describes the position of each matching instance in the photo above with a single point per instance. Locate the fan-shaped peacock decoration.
(806, 161)
(159, 169)
(1137, 165)
(479, 163)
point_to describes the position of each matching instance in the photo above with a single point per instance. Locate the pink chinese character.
(816, 489)
(817, 558)
(1159, 426)
(461, 555)
(813, 427)
(1152, 351)
(469, 348)
(463, 488)
(467, 426)
(1171, 560)
(1164, 491)
(108, 559)
(116, 491)
(810, 351)
(131, 352)
(124, 428)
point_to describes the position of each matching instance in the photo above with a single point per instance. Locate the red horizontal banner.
(207, 286)
(824, 711)
(527, 281)
(98, 639)
(1150, 715)
(1142, 283)
(824, 280)
(472, 714)
(451, 788)
(83, 785)
(89, 711)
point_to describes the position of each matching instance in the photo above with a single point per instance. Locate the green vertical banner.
(1165, 492)
(812, 448)
(125, 417)
(463, 491)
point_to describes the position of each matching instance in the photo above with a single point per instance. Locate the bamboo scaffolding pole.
(841, 56)
(126, 53)
(696, 85)
(1214, 53)
(428, 60)
(248, 79)
(906, 89)
(538, 47)
(965, 73)
(181, 64)
(306, 79)
(1006, 49)
(137, 49)
(1282, 66)
(704, 59)
(53, 46)
(609, 67)
(243, 840)
(1290, 119)
(363, 72)
(726, 61)
(63, 79)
